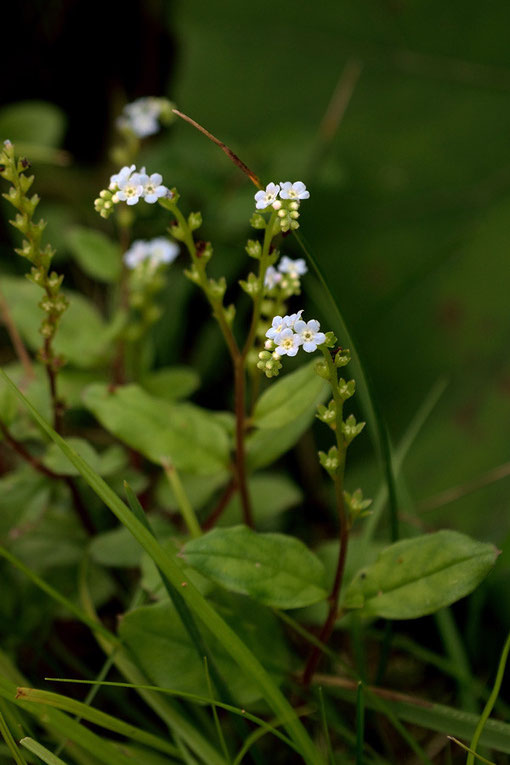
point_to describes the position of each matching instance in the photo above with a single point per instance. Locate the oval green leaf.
(172, 383)
(416, 577)
(190, 437)
(290, 397)
(96, 253)
(274, 569)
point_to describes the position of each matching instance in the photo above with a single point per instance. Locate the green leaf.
(118, 547)
(275, 569)
(172, 383)
(198, 488)
(289, 397)
(82, 336)
(24, 496)
(96, 253)
(58, 462)
(161, 644)
(264, 446)
(271, 495)
(418, 576)
(32, 122)
(38, 749)
(183, 433)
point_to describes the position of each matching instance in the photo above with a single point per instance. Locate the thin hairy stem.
(230, 154)
(343, 530)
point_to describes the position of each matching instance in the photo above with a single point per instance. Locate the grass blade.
(490, 703)
(40, 751)
(104, 720)
(467, 749)
(10, 742)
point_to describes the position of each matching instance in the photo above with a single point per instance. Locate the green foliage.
(290, 397)
(83, 338)
(190, 437)
(418, 576)
(97, 254)
(33, 124)
(159, 640)
(274, 569)
(172, 383)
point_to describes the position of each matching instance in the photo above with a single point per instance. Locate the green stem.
(257, 301)
(490, 703)
(238, 357)
(182, 500)
(343, 527)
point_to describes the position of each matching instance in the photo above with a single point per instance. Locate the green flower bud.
(194, 220)
(322, 369)
(229, 313)
(356, 505)
(351, 429)
(217, 287)
(330, 461)
(257, 221)
(254, 248)
(342, 357)
(327, 414)
(346, 389)
(251, 286)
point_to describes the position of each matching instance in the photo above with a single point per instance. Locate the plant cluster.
(198, 540)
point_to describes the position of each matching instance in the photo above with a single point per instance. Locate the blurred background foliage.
(396, 113)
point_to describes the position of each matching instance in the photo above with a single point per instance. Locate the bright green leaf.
(183, 433)
(289, 397)
(96, 253)
(418, 576)
(264, 446)
(274, 569)
(172, 383)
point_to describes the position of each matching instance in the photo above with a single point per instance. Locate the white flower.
(130, 189)
(309, 334)
(142, 116)
(123, 175)
(278, 325)
(136, 253)
(272, 278)
(267, 197)
(152, 186)
(294, 268)
(162, 250)
(292, 319)
(295, 190)
(155, 252)
(287, 343)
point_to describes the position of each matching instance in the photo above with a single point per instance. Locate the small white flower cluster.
(292, 268)
(154, 252)
(288, 333)
(285, 198)
(129, 185)
(144, 115)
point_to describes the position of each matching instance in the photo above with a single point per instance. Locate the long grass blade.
(10, 742)
(188, 697)
(221, 737)
(198, 604)
(490, 703)
(467, 749)
(40, 751)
